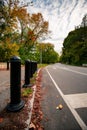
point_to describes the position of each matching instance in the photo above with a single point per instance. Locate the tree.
(75, 47)
(7, 50)
(9, 21)
(84, 21)
(20, 27)
(2, 20)
(84, 26)
(46, 50)
(22, 18)
(38, 25)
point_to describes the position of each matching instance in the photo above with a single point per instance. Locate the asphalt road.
(65, 85)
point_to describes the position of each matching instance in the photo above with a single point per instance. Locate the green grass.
(42, 65)
(26, 92)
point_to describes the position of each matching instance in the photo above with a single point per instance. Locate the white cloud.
(62, 15)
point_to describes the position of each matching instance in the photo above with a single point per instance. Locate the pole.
(15, 85)
(27, 74)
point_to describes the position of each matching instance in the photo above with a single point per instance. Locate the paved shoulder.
(55, 119)
(4, 98)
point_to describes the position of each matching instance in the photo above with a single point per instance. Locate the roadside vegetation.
(74, 50)
(20, 33)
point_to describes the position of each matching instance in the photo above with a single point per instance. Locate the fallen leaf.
(60, 107)
(40, 128)
(1, 119)
(32, 126)
(57, 107)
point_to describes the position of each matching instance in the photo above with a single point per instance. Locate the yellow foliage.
(10, 49)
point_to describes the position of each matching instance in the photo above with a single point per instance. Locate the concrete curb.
(31, 102)
(30, 106)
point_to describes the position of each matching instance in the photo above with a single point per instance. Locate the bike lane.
(54, 118)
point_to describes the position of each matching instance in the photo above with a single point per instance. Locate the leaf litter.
(37, 114)
(16, 121)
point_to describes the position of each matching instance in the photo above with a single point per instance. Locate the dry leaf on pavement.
(60, 107)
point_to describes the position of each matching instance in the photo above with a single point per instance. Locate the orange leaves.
(38, 25)
(37, 114)
(31, 35)
(1, 119)
(22, 26)
(36, 18)
(33, 38)
(21, 14)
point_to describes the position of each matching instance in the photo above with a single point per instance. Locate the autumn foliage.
(20, 31)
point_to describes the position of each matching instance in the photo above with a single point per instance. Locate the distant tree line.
(21, 31)
(47, 53)
(74, 49)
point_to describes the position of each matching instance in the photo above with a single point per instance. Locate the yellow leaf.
(60, 107)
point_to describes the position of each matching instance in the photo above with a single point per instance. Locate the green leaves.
(46, 50)
(75, 46)
(21, 28)
(26, 92)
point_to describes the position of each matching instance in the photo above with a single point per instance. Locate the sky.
(62, 15)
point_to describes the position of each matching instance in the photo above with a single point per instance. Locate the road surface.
(65, 85)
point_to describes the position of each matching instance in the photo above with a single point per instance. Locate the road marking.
(77, 100)
(64, 68)
(77, 117)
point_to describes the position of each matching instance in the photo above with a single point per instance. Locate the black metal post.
(15, 85)
(7, 65)
(31, 69)
(35, 66)
(27, 73)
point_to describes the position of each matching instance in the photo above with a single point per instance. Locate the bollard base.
(15, 107)
(27, 85)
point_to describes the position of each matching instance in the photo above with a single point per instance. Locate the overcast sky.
(62, 15)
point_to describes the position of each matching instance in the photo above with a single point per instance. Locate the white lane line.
(77, 100)
(64, 68)
(77, 117)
